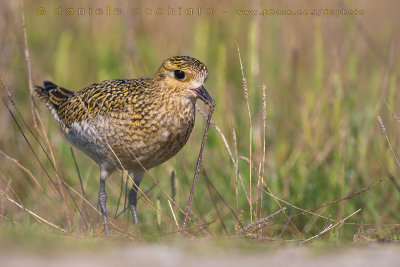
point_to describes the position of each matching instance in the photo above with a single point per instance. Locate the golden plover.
(136, 123)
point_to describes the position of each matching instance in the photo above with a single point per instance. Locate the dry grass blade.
(146, 199)
(77, 170)
(120, 196)
(222, 198)
(285, 227)
(124, 174)
(353, 194)
(262, 172)
(216, 208)
(263, 220)
(31, 212)
(330, 227)
(19, 165)
(246, 96)
(70, 189)
(387, 139)
(393, 179)
(215, 126)
(173, 185)
(395, 117)
(196, 173)
(8, 188)
(380, 55)
(311, 211)
(7, 219)
(59, 179)
(277, 201)
(234, 161)
(35, 115)
(28, 63)
(35, 155)
(173, 214)
(251, 165)
(35, 112)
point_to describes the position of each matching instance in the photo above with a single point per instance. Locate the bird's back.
(123, 118)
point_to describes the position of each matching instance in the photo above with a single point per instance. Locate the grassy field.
(301, 133)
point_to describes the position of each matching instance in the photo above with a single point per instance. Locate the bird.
(130, 124)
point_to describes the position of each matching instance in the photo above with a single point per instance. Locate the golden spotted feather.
(149, 118)
(116, 122)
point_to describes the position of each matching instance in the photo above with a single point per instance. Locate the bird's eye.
(180, 75)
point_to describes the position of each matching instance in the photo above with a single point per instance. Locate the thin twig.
(196, 173)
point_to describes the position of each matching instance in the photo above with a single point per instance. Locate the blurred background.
(314, 140)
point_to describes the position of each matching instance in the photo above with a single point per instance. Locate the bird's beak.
(203, 95)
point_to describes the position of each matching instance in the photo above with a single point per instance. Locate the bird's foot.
(135, 218)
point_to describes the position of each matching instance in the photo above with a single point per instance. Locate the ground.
(178, 255)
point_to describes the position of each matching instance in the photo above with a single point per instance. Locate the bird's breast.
(175, 122)
(152, 136)
(159, 132)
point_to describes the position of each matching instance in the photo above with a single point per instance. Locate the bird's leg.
(133, 196)
(102, 204)
(103, 197)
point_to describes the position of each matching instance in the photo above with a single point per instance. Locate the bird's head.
(184, 76)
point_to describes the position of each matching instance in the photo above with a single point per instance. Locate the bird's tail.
(52, 95)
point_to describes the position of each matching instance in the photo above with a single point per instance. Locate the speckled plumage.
(149, 119)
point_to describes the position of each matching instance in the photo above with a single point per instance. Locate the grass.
(312, 145)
